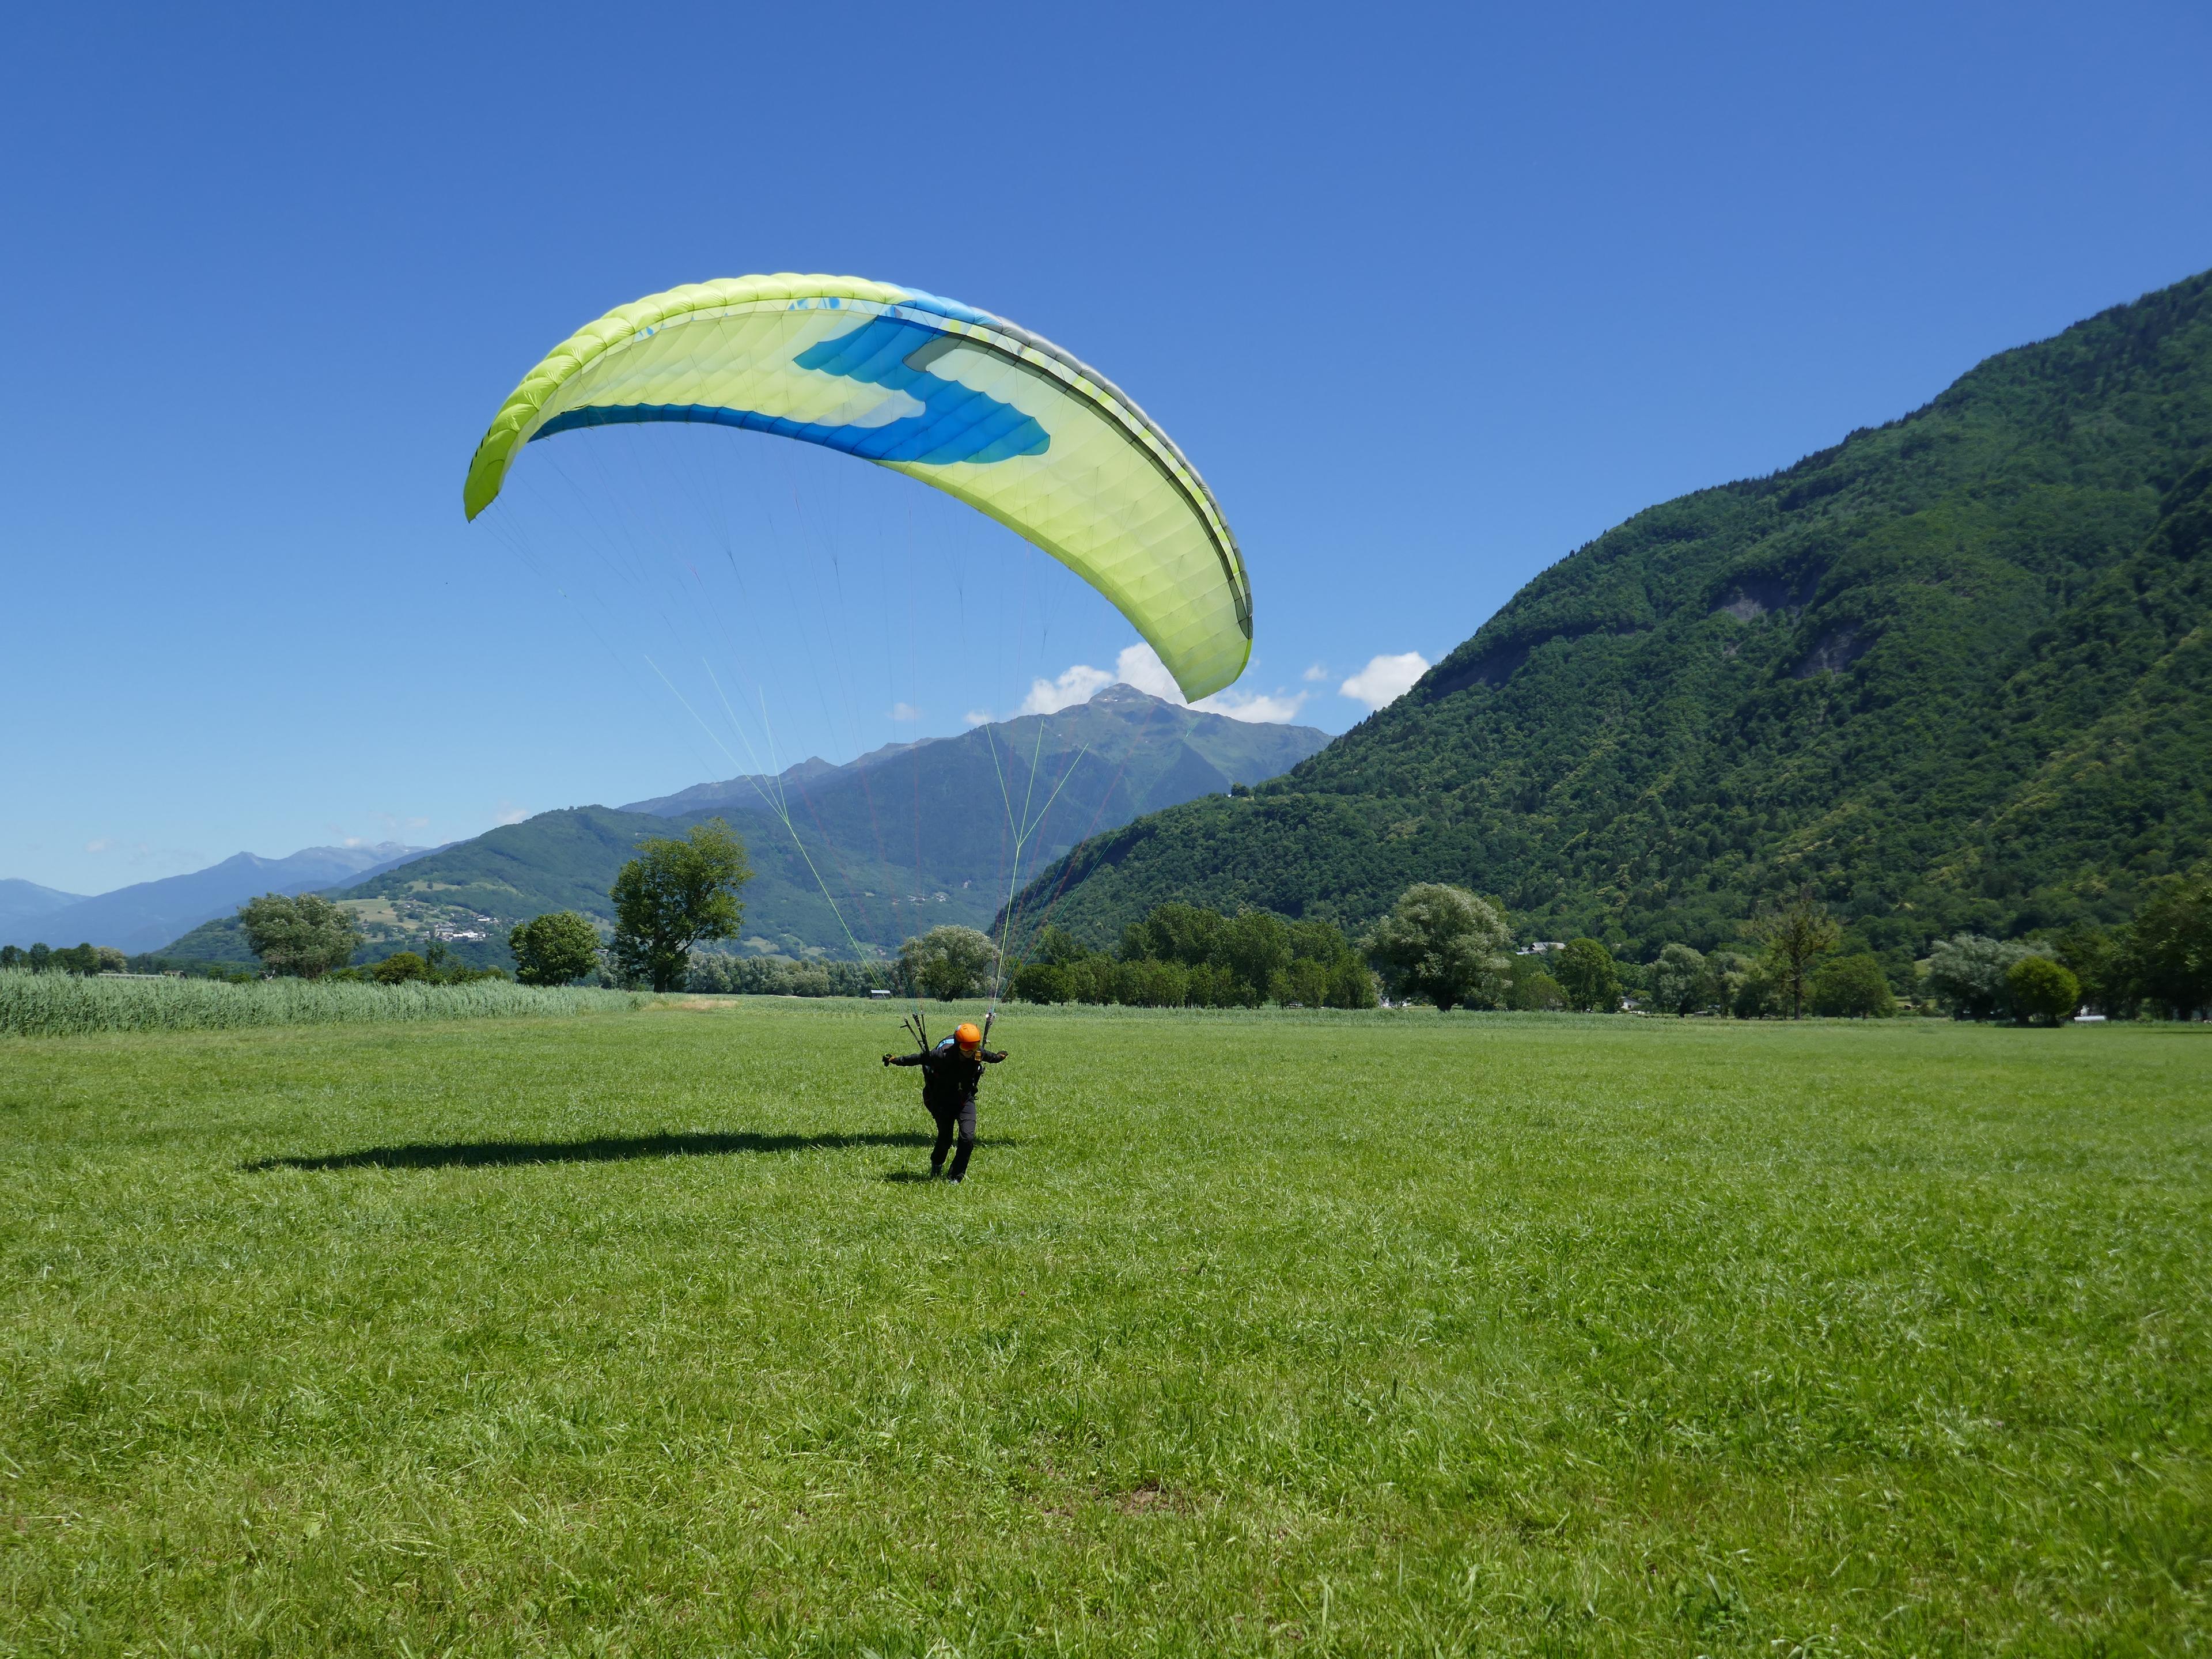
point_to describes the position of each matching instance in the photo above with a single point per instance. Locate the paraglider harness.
(948, 1081)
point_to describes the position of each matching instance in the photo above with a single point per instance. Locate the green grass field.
(1367, 1334)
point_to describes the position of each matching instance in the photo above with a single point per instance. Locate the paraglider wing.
(957, 397)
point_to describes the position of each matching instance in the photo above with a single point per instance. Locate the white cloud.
(979, 717)
(1315, 672)
(905, 711)
(510, 813)
(1258, 707)
(1140, 665)
(1385, 679)
(1077, 685)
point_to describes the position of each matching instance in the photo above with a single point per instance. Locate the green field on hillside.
(1269, 1333)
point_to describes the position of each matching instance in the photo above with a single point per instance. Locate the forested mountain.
(1954, 671)
(905, 838)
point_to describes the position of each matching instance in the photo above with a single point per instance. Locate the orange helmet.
(968, 1036)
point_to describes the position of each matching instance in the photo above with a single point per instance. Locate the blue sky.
(1432, 297)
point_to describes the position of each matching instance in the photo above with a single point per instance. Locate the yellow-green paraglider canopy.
(957, 397)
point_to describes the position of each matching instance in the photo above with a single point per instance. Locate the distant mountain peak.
(1123, 693)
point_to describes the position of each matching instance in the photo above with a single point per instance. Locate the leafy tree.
(11, 956)
(2169, 948)
(1967, 974)
(1680, 981)
(1587, 973)
(1795, 935)
(1241, 961)
(554, 949)
(1256, 946)
(1444, 945)
(88, 961)
(1040, 981)
(1304, 984)
(1217, 962)
(1726, 974)
(1530, 989)
(949, 962)
(1151, 984)
(402, 968)
(1350, 984)
(673, 895)
(1852, 987)
(303, 937)
(1175, 932)
(1759, 995)
(1325, 971)
(1059, 947)
(2041, 990)
(2088, 951)
(38, 956)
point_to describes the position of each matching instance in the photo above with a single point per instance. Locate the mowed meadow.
(1382, 1333)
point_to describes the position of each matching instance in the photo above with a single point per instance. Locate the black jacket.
(949, 1077)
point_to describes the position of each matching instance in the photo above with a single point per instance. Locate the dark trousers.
(959, 1115)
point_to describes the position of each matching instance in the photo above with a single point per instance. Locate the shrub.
(2041, 991)
(399, 969)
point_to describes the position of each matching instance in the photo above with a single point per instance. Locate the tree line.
(83, 960)
(1186, 956)
(1438, 943)
(1449, 946)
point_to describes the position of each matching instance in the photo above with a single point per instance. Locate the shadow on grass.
(611, 1149)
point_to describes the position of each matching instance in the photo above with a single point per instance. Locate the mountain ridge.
(23, 902)
(146, 914)
(905, 837)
